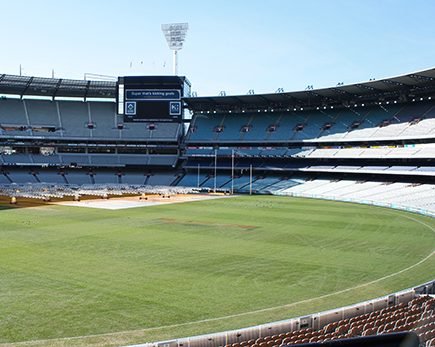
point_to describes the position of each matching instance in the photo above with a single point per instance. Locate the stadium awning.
(399, 88)
(56, 87)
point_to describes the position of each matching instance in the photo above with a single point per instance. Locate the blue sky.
(231, 46)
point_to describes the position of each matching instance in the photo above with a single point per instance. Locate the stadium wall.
(314, 321)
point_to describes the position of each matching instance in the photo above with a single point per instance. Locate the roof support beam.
(56, 89)
(295, 101)
(365, 87)
(238, 99)
(26, 87)
(394, 83)
(344, 92)
(87, 90)
(420, 78)
(265, 99)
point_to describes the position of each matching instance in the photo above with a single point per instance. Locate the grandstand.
(377, 132)
(381, 130)
(371, 143)
(57, 139)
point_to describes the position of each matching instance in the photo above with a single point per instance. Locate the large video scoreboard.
(147, 98)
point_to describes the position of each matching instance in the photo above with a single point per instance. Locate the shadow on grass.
(6, 207)
(5, 203)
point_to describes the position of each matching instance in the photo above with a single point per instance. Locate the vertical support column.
(91, 131)
(175, 63)
(232, 172)
(26, 113)
(250, 179)
(59, 117)
(215, 169)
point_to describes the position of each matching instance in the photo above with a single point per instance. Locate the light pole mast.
(175, 35)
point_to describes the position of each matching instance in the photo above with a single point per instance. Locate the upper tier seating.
(104, 120)
(411, 120)
(43, 118)
(77, 119)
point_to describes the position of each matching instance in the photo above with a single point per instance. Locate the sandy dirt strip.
(117, 203)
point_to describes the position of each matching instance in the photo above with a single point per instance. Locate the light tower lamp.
(175, 35)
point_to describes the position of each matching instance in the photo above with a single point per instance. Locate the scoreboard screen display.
(146, 98)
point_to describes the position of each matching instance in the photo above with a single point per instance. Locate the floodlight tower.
(175, 35)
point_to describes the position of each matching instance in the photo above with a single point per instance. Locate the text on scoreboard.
(150, 94)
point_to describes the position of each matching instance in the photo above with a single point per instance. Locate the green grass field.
(153, 273)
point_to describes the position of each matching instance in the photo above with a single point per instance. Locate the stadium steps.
(283, 184)
(424, 114)
(216, 135)
(266, 188)
(178, 178)
(246, 186)
(201, 184)
(249, 124)
(147, 178)
(5, 179)
(36, 177)
(269, 134)
(227, 182)
(64, 178)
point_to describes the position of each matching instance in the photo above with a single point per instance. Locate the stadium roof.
(56, 87)
(401, 88)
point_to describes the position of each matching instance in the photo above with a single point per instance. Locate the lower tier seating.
(418, 315)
